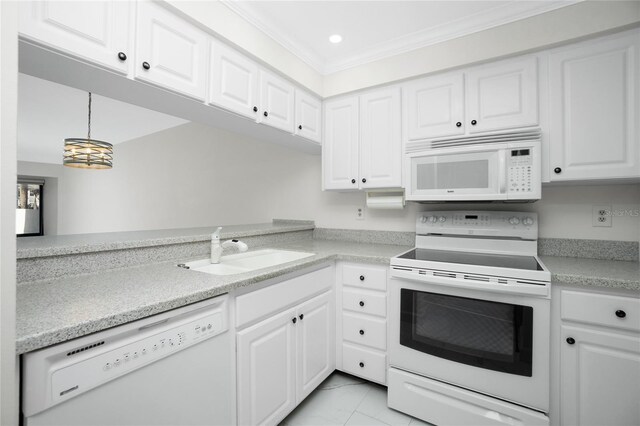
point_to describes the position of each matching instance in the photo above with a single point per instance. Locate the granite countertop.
(57, 245)
(54, 311)
(593, 272)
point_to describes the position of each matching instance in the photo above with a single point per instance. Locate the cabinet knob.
(557, 170)
(266, 114)
(300, 127)
(361, 365)
(361, 277)
(571, 340)
(294, 320)
(364, 180)
(122, 56)
(255, 109)
(361, 332)
(458, 124)
(146, 65)
(361, 303)
(301, 317)
(620, 313)
(353, 181)
(474, 122)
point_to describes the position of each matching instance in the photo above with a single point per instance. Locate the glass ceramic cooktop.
(481, 259)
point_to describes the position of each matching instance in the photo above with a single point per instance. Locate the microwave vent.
(526, 135)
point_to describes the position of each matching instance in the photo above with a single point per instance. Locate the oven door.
(493, 343)
(472, 173)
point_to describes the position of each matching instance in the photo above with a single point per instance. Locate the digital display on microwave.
(470, 216)
(519, 152)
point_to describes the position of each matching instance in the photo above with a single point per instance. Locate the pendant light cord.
(89, 121)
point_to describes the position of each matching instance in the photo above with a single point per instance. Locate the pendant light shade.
(87, 153)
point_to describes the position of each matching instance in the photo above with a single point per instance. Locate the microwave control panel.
(520, 170)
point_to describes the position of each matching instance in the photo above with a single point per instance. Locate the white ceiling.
(373, 30)
(50, 112)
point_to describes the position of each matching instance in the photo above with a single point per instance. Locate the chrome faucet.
(217, 248)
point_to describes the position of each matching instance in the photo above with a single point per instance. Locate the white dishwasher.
(175, 368)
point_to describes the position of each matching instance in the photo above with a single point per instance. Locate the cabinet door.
(340, 146)
(502, 95)
(600, 378)
(170, 52)
(266, 370)
(93, 31)
(276, 100)
(233, 81)
(593, 95)
(380, 139)
(316, 343)
(308, 116)
(434, 106)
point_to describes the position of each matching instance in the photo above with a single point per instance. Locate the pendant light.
(87, 153)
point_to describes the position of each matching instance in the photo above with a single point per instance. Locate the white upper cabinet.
(593, 96)
(276, 101)
(308, 113)
(94, 31)
(233, 81)
(362, 146)
(497, 96)
(170, 52)
(380, 139)
(434, 106)
(340, 146)
(502, 95)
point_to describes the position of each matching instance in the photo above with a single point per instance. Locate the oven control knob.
(514, 220)
(442, 219)
(432, 219)
(423, 219)
(527, 221)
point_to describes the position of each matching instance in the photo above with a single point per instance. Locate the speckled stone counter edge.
(584, 281)
(589, 249)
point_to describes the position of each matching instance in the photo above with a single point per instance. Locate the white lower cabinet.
(599, 359)
(282, 359)
(362, 331)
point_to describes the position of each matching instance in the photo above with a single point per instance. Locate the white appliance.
(487, 168)
(174, 368)
(469, 321)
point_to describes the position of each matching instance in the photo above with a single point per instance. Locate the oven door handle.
(512, 288)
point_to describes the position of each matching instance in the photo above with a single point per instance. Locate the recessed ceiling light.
(336, 38)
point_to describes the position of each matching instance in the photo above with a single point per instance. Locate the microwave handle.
(502, 171)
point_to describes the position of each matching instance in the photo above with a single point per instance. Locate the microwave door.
(454, 175)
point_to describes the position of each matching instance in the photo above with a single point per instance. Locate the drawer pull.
(620, 313)
(361, 332)
(301, 317)
(571, 340)
(361, 303)
(361, 365)
(294, 320)
(361, 277)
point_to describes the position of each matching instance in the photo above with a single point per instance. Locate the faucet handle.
(216, 233)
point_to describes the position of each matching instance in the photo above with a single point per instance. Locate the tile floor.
(346, 400)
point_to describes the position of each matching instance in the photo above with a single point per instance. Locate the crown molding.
(499, 15)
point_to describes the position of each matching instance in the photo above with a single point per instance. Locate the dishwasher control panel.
(113, 362)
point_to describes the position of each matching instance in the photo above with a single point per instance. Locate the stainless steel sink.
(246, 262)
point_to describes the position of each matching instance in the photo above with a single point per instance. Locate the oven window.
(490, 335)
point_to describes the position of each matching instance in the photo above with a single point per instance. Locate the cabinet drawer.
(277, 297)
(365, 330)
(601, 309)
(372, 277)
(365, 363)
(364, 301)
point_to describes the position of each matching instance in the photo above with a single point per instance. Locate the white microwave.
(501, 171)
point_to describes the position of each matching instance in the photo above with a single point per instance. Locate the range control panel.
(519, 169)
(522, 225)
(112, 362)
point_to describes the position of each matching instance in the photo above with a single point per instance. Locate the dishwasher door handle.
(153, 324)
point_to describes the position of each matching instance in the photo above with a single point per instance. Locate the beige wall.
(194, 175)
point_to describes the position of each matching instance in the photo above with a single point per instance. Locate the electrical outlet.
(602, 216)
(360, 213)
